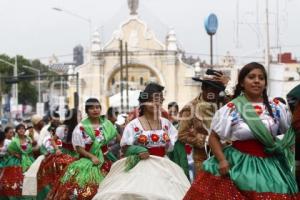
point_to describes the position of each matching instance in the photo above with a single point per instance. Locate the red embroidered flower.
(136, 129)
(154, 137)
(58, 142)
(106, 167)
(81, 128)
(142, 139)
(166, 137)
(258, 109)
(276, 101)
(24, 147)
(97, 133)
(230, 105)
(166, 127)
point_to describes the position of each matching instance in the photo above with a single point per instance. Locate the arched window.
(132, 78)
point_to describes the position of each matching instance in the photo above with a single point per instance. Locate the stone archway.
(138, 76)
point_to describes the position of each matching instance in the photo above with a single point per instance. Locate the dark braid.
(71, 122)
(267, 104)
(141, 110)
(237, 91)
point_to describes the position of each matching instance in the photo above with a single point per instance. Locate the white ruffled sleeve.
(60, 132)
(173, 134)
(283, 114)
(128, 135)
(222, 121)
(77, 139)
(47, 143)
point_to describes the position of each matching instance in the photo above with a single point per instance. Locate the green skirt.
(250, 178)
(252, 173)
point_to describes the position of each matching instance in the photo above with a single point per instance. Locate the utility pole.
(127, 86)
(121, 73)
(16, 85)
(267, 47)
(39, 81)
(76, 104)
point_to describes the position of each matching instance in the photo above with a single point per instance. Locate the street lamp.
(39, 79)
(15, 87)
(88, 20)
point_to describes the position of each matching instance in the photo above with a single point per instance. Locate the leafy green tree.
(27, 89)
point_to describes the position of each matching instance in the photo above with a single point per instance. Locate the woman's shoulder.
(278, 106)
(276, 102)
(7, 142)
(133, 123)
(227, 108)
(165, 121)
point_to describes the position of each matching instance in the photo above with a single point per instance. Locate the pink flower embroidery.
(24, 147)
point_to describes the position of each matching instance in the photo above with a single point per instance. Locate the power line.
(47, 57)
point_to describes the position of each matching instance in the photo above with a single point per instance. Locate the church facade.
(149, 60)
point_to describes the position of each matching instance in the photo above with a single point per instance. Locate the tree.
(27, 91)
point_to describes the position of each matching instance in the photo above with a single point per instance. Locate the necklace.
(151, 126)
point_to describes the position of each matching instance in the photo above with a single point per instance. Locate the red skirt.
(210, 187)
(51, 169)
(71, 190)
(11, 181)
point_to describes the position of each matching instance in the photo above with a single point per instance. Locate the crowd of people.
(218, 146)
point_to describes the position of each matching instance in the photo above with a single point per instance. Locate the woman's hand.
(58, 152)
(221, 78)
(34, 143)
(95, 160)
(144, 155)
(17, 155)
(224, 167)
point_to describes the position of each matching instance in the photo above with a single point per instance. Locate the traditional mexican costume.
(261, 165)
(81, 178)
(154, 178)
(11, 172)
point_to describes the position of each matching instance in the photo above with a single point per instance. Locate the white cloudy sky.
(33, 29)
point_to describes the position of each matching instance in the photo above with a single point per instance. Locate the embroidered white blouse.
(134, 134)
(3, 149)
(81, 138)
(229, 125)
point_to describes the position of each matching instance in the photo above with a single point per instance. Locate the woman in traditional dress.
(54, 164)
(90, 138)
(9, 133)
(3, 149)
(50, 166)
(146, 173)
(257, 165)
(19, 160)
(65, 131)
(296, 125)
